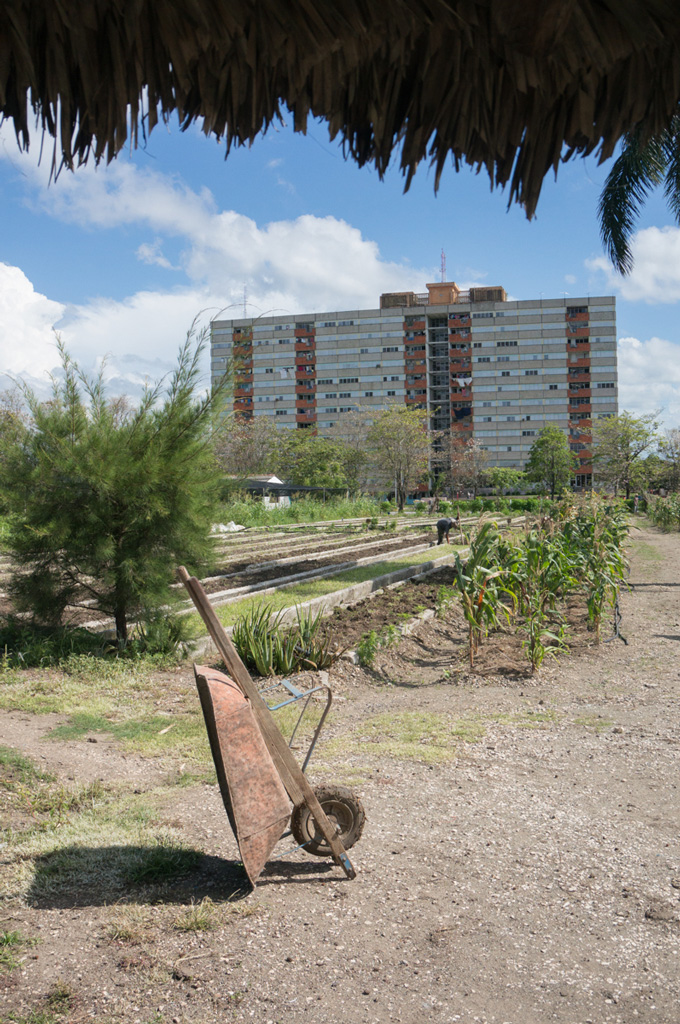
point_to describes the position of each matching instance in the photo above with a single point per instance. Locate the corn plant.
(479, 586)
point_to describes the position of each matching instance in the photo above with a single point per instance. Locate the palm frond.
(638, 169)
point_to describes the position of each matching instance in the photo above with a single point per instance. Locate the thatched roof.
(501, 84)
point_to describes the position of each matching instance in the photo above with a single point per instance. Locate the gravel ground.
(530, 876)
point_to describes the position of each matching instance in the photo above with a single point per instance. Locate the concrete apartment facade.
(483, 366)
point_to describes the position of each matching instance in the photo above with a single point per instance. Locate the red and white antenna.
(443, 266)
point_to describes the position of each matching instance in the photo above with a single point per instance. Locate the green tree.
(504, 478)
(640, 167)
(551, 463)
(107, 499)
(303, 459)
(399, 446)
(619, 444)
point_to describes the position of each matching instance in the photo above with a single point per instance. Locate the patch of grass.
(43, 1016)
(99, 841)
(131, 924)
(595, 722)
(411, 736)
(153, 735)
(527, 719)
(15, 769)
(60, 997)
(198, 917)
(11, 946)
(647, 551)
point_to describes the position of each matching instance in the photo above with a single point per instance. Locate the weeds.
(11, 945)
(372, 642)
(198, 917)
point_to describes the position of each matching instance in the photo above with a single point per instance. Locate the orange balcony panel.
(415, 367)
(304, 418)
(304, 346)
(573, 317)
(579, 392)
(414, 353)
(304, 332)
(302, 404)
(578, 378)
(578, 332)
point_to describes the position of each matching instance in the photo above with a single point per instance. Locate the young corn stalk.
(479, 587)
(538, 575)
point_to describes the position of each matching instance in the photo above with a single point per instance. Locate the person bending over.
(443, 527)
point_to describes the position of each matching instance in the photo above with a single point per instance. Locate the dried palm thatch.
(500, 84)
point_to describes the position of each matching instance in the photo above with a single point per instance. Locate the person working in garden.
(443, 527)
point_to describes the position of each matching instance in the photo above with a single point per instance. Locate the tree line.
(101, 500)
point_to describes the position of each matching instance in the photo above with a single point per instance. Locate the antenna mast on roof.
(443, 266)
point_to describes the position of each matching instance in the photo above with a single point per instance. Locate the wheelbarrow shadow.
(87, 876)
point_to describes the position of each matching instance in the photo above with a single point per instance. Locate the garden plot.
(520, 860)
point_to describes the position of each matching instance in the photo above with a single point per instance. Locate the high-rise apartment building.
(483, 366)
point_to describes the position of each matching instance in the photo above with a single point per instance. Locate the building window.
(391, 394)
(348, 380)
(528, 433)
(531, 373)
(552, 387)
(280, 412)
(505, 373)
(503, 359)
(483, 359)
(486, 405)
(511, 417)
(345, 394)
(368, 394)
(363, 351)
(390, 348)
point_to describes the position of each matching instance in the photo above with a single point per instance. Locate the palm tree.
(639, 168)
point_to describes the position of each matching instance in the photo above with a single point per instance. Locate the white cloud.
(306, 264)
(649, 378)
(570, 278)
(26, 318)
(151, 253)
(655, 277)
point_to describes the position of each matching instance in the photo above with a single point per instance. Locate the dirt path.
(532, 877)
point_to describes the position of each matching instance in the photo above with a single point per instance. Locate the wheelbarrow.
(262, 785)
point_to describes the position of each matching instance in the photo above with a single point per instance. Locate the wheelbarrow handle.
(295, 782)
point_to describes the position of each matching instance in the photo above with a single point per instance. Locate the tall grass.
(303, 509)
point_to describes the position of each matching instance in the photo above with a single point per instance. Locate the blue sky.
(120, 259)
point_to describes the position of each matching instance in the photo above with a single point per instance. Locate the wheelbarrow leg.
(295, 782)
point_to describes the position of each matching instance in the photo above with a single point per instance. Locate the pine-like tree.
(106, 499)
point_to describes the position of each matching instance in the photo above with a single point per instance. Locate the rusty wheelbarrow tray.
(256, 769)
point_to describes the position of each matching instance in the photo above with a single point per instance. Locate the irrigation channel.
(260, 561)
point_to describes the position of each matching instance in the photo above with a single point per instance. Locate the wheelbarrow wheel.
(344, 810)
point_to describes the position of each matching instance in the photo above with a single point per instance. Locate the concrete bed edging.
(352, 595)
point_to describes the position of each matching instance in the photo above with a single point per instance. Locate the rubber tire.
(345, 811)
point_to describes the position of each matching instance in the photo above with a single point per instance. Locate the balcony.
(304, 331)
(243, 392)
(415, 366)
(415, 352)
(577, 317)
(577, 331)
(303, 390)
(305, 345)
(304, 405)
(305, 418)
